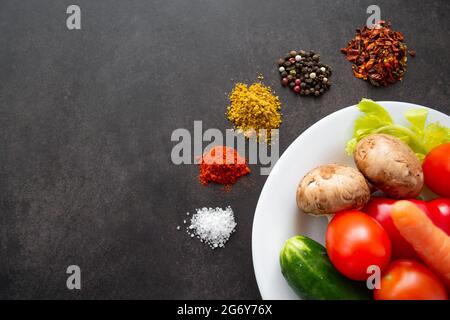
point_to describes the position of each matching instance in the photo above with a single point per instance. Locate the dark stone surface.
(86, 118)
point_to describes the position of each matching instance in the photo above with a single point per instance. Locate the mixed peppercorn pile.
(303, 72)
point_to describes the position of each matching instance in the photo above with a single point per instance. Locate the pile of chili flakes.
(379, 55)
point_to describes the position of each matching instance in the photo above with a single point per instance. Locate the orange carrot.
(429, 241)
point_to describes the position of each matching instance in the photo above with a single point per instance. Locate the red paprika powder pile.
(222, 165)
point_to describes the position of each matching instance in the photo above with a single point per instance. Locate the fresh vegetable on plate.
(380, 210)
(439, 212)
(355, 241)
(309, 272)
(409, 280)
(388, 158)
(423, 205)
(390, 165)
(332, 188)
(430, 242)
(436, 168)
(420, 137)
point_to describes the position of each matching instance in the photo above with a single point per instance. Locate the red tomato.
(380, 210)
(439, 213)
(355, 241)
(436, 170)
(409, 280)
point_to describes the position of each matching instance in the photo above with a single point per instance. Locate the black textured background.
(86, 118)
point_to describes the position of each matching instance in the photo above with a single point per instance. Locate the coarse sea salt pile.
(212, 226)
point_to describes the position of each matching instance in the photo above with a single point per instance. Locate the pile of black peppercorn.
(303, 72)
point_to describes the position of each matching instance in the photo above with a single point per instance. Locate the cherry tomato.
(355, 241)
(409, 280)
(380, 210)
(436, 170)
(439, 213)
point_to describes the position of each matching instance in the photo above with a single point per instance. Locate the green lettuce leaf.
(420, 137)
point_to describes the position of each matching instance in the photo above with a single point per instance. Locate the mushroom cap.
(390, 165)
(332, 188)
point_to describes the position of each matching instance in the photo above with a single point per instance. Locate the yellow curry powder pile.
(253, 108)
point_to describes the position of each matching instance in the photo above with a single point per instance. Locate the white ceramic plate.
(277, 217)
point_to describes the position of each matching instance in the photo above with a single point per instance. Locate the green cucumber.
(308, 270)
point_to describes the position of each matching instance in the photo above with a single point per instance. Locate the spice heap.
(212, 226)
(378, 55)
(222, 165)
(303, 72)
(254, 110)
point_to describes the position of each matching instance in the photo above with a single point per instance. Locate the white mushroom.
(332, 188)
(390, 165)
